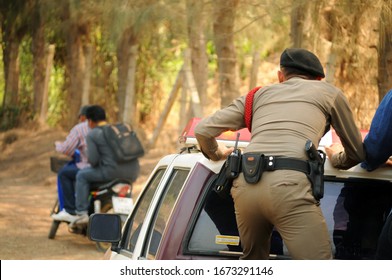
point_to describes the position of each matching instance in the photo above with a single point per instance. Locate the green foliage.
(263, 25)
(26, 77)
(103, 81)
(245, 53)
(212, 59)
(12, 116)
(160, 59)
(159, 29)
(9, 117)
(57, 100)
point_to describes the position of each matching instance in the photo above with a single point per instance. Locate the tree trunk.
(191, 86)
(45, 90)
(254, 70)
(13, 28)
(169, 104)
(305, 24)
(353, 53)
(328, 30)
(197, 44)
(76, 65)
(129, 113)
(39, 61)
(88, 51)
(185, 110)
(223, 27)
(11, 67)
(125, 50)
(297, 28)
(385, 51)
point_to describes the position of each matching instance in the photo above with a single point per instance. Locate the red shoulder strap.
(249, 108)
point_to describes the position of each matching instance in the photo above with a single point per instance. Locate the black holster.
(316, 172)
(316, 177)
(230, 170)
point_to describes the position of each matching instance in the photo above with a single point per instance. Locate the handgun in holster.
(230, 170)
(316, 172)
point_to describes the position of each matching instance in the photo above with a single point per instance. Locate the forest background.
(134, 56)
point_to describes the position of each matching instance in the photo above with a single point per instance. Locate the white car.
(178, 215)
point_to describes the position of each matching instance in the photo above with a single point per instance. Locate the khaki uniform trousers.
(282, 198)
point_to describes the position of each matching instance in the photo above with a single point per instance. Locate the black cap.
(302, 60)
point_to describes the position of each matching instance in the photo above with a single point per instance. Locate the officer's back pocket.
(252, 167)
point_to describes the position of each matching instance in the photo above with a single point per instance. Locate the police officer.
(300, 107)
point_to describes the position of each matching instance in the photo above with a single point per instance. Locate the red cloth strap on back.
(249, 108)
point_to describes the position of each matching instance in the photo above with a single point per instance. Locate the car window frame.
(151, 226)
(192, 224)
(125, 238)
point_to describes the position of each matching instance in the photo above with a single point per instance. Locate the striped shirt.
(76, 139)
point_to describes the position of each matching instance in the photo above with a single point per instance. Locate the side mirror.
(104, 228)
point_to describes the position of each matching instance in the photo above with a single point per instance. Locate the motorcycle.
(105, 197)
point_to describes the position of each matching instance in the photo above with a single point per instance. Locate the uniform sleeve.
(378, 142)
(92, 148)
(229, 118)
(342, 121)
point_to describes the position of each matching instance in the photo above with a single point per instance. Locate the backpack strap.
(249, 108)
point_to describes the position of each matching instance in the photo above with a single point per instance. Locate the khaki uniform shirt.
(284, 116)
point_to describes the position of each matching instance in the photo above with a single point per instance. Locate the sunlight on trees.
(126, 56)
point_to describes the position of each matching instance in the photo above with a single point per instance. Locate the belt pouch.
(252, 167)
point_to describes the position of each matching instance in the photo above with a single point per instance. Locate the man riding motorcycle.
(74, 146)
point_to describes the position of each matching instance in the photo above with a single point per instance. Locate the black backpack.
(124, 142)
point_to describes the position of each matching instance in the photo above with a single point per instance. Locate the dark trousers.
(67, 178)
(384, 248)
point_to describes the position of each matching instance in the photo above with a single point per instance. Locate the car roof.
(383, 173)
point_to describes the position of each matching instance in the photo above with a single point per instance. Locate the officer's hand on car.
(223, 151)
(334, 148)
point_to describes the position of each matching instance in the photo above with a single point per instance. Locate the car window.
(164, 210)
(215, 230)
(354, 212)
(135, 223)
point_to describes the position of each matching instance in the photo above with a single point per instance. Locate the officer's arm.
(211, 149)
(229, 118)
(343, 122)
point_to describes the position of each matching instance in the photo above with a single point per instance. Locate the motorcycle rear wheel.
(55, 224)
(53, 229)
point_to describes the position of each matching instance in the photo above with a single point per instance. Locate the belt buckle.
(270, 163)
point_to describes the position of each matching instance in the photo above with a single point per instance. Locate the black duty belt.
(274, 163)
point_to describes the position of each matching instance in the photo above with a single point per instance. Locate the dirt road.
(27, 194)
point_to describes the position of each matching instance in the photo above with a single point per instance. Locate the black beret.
(302, 60)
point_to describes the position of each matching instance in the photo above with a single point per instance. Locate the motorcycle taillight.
(122, 190)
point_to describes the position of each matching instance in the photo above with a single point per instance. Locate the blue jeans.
(84, 178)
(67, 177)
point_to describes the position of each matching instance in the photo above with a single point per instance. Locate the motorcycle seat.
(107, 184)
